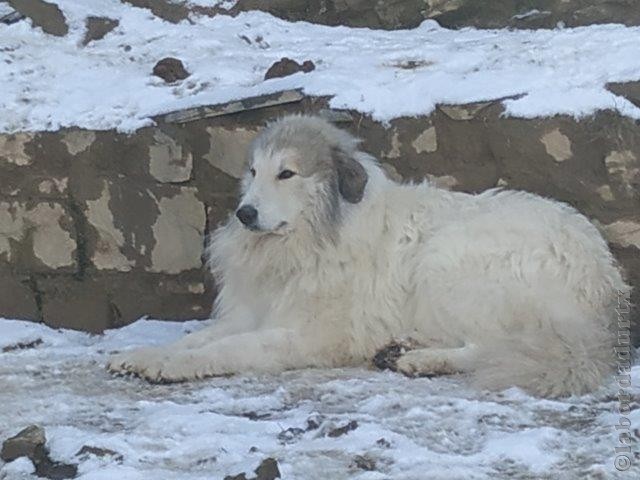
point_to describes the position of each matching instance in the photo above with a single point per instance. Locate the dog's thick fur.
(513, 288)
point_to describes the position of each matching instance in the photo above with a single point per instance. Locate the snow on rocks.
(340, 424)
(52, 82)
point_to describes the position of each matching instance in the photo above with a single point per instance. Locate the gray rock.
(170, 70)
(338, 432)
(43, 14)
(285, 67)
(88, 450)
(98, 28)
(26, 443)
(628, 90)
(268, 470)
(364, 462)
(30, 443)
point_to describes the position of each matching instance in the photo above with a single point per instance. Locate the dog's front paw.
(158, 365)
(147, 363)
(424, 363)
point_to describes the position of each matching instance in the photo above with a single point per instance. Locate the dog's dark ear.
(352, 177)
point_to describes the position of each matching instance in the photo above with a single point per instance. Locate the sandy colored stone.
(438, 7)
(168, 162)
(625, 233)
(605, 193)
(624, 167)
(179, 233)
(77, 141)
(463, 112)
(52, 244)
(196, 288)
(12, 148)
(228, 149)
(426, 142)
(53, 185)
(11, 227)
(107, 254)
(446, 182)
(394, 151)
(557, 145)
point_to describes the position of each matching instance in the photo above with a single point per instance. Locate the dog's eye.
(284, 174)
(253, 172)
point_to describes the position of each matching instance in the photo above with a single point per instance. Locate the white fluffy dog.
(327, 260)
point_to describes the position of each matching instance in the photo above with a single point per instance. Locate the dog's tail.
(560, 356)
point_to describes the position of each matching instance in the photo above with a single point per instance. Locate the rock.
(364, 462)
(38, 237)
(11, 18)
(170, 70)
(285, 67)
(227, 149)
(290, 435)
(78, 141)
(426, 142)
(44, 15)
(240, 476)
(179, 232)
(170, 11)
(70, 303)
(255, 416)
(623, 167)
(557, 145)
(628, 90)
(13, 149)
(97, 28)
(463, 112)
(47, 468)
(107, 254)
(22, 346)
(30, 443)
(18, 298)
(338, 432)
(625, 233)
(88, 450)
(168, 161)
(26, 443)
(267, 470)
(383, 442)
(314, 421)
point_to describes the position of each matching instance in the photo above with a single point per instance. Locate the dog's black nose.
(247, 215)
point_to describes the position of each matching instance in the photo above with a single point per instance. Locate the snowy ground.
(49, 82)
(432, 429)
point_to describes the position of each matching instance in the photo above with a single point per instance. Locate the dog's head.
(300, 171)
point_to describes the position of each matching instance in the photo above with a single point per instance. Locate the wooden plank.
(252, 103)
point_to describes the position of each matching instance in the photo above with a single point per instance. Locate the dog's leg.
(154, 357)
(437, 361)
(271, 350)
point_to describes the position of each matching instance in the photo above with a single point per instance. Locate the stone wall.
(98, 228)
(394, 14)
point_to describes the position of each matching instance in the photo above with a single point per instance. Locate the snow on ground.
(432, 428)
(49, 82)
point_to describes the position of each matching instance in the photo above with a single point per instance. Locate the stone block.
(179, 233)
(37, 237)
(17, 298)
